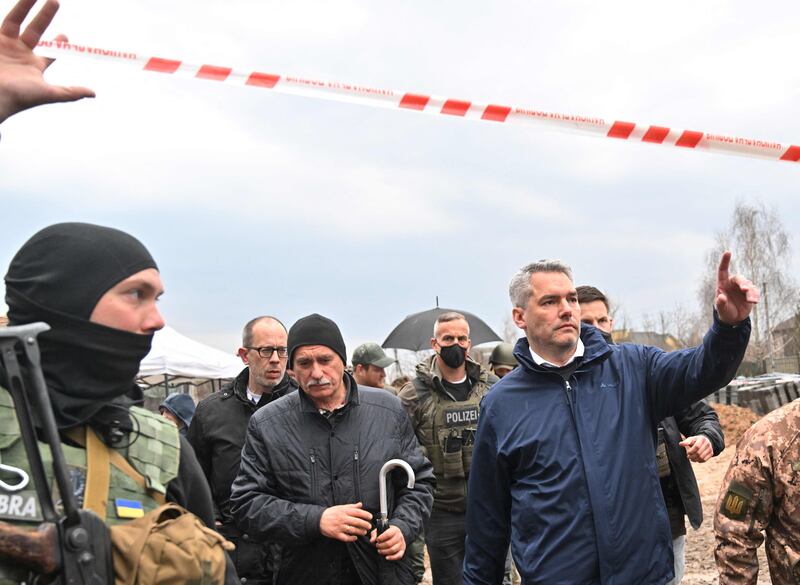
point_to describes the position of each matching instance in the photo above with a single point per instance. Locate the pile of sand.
(735, 420)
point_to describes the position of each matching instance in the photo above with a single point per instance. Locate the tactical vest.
(154, 456)
(446, 432)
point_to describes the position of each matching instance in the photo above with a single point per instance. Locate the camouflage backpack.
(168, 546)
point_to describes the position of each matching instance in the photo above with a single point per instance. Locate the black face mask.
(453, 355)
(58, 276)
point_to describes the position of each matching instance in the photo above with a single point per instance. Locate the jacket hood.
(595, 348)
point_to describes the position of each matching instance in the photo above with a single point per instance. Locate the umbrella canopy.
(415, 331)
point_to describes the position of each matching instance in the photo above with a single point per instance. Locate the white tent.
(175, 355)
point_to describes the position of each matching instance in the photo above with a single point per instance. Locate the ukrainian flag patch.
(128, 508)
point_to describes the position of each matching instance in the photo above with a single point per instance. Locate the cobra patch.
(736, 502)
(461, 417)
(20, 506)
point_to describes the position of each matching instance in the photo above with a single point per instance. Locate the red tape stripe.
(689, 139)
(414, 101)
(455, 107)
(496, 113)
(214, 73)
(792, 154)
(162, 65)
(621, 130)
(655, 134)
(263, 80)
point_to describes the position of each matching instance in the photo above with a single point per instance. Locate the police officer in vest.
(443, 402)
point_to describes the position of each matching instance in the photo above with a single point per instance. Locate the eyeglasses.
(267, 351)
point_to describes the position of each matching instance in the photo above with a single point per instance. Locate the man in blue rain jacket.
(564, 458)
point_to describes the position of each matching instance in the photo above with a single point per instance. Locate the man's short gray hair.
(447, 317)
(519, 290)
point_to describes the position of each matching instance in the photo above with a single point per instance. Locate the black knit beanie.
(316, 330)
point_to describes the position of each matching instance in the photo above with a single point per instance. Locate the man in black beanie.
(97, 289)
(310, 465)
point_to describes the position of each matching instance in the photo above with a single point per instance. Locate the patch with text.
(461, 417)
(22, 506)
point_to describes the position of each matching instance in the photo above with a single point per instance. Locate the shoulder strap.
(99, 458)
(98, 475)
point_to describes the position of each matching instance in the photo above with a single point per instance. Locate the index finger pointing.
(724, 264)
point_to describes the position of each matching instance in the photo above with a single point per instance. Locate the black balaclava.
(58, 276)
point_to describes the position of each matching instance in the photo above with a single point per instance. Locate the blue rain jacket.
(566, 469)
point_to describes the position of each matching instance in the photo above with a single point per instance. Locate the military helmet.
(503, 355)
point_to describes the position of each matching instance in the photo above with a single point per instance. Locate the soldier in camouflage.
(761, 494)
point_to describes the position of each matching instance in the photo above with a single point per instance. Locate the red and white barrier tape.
(387, 98)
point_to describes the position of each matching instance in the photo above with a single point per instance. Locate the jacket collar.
(595, 349)
(429, 370)
(239, 388)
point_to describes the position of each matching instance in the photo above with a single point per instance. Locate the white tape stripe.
(391, 99)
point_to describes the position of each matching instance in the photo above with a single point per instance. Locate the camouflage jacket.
(761, 493)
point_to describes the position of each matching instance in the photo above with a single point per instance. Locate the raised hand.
(736, 295)
(22, 85)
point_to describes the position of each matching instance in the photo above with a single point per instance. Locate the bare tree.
(761, 252)
(510, 330)
(649, 323)
(680, 323)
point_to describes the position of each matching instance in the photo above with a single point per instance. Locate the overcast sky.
(254, 202)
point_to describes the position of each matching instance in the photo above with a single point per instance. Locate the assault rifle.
(72, 548)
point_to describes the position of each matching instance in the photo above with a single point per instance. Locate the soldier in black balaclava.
(97, 288)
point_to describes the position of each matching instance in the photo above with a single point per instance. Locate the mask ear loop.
(23, 482)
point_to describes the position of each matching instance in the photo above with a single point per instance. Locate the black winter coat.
(698, 419)
(217, 434)
(297, 462)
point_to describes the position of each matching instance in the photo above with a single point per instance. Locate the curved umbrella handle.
(383, 521)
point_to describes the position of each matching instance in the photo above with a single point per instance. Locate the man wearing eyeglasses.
(218, 430)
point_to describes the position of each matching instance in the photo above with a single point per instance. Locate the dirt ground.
(700, 567)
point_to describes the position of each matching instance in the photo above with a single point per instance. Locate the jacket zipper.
(570, 403)
(356, 476)
(313, 477)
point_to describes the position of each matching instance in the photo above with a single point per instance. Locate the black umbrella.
(415, 331)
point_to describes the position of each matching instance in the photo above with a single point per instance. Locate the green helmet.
(503, 355)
